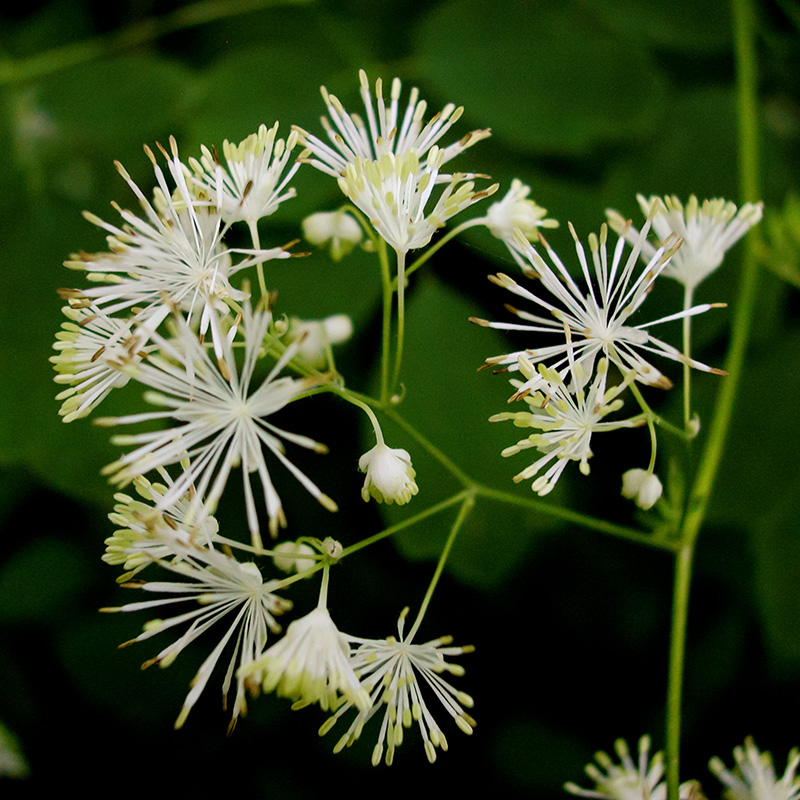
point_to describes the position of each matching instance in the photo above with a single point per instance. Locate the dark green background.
(589, 103)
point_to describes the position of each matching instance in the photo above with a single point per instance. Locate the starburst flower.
(141, 526)
(384, 132)
(629, 780)
(173, 256)
(597, 321)
(708, 230)
(516, 211)
(222, 588)
(310, 664)
(394, 671)
(253, 184)
(222, 423)
(567, 422)
(754, 776)
(390, 476)
(394, 191)
(641, 486)
(89, 348)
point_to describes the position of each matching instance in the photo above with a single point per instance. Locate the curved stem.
(386, 322)
(401, 317)
(470, 223)
(70, 55)
(463, 512)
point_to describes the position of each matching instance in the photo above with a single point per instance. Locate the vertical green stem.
(401, 317)
(688, 291)
(747, 107)
(386, 334)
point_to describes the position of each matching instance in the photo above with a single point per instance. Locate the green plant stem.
(466, 506)
(401, 318)
(747, 107)
(59, 58)
(688, 291)
(470, 223)
(406, 523)
(386, 330)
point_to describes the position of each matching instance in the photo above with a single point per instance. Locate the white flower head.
(708, 230)
(754, 776)
(172, 256)
(384, 132)
(221, 421)
(629, 780)
(566, 422)
(394, 191)
(337, 229)
(253, 184)
(641, 486)
(596, 321)
(315, 336)
(222, 588)
(516, 211)
(394, 671)
(89, 347)
(310, 664)
(390, 476)
(142, 527)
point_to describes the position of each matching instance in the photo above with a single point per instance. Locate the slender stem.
(406, 523)
(70, 55)
(323, 589)
(262, 284)
(688, 291)
(463, 513)
(747, 107)
(470, 223)
(401, 317)
(386, 333)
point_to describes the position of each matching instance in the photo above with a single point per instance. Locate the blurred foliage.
(589, 102)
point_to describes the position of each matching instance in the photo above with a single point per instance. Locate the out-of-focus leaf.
(776, 549)
(37, 582)
(683, 25)
(544, 76)
(781, 252)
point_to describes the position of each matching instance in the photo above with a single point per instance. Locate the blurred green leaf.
(543, 75)
(694, 26)
(40, 581)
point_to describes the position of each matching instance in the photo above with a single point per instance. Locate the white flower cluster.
(753, 778)
(577, 333)
(169, 307)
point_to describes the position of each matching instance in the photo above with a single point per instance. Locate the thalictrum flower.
(394, 672)
(708, 230)
(221, 588)
(337, 229)
(252, 184)
(599, 320)
(310, 664)
(516, 211)
(567, 422)
(221, 421)
(173, 256)
(384, 132)
(90, 346)
(641, 486)
(754, 776)
(629, 780)
(390, 476)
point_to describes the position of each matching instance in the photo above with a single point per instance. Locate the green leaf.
(543, 75)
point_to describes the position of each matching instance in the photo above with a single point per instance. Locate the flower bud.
(390, 476)
(288, 557)
(642, 487)
(338, 228)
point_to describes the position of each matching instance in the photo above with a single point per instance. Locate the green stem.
(463, 512)
(747, 107)
(688, 291)
(70, 55)
(406, 523)
(401, 317)
(386, 333)
(470, 223)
